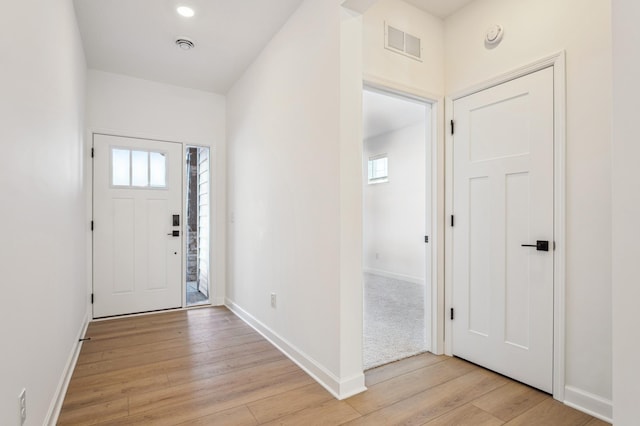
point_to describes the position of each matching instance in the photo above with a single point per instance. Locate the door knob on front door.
(539, 245)
(174, 234)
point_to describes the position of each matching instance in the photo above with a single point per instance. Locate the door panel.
(137, 261)
(479, 273)
(157, 244)
(503, 198)
(123, 277)
(518, 272)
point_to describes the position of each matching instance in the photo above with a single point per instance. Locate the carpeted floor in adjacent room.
(394, 325)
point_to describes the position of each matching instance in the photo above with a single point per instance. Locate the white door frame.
(557, 61)
(213, 290)
(165, 299)
(434, 283)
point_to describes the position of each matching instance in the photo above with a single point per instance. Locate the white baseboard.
(339, 388)
(589, 403)
(61, 391)
(394, 276)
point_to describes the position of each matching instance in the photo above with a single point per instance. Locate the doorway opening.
(396, 226)
(197, 226)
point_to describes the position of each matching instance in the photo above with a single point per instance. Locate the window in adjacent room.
(378, 169)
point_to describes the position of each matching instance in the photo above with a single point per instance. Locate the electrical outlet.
(22, 398)
(273, 300)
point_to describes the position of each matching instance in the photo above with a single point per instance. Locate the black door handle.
(174, 234)
(539, 245)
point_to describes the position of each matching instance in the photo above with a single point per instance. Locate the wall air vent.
(400, 42)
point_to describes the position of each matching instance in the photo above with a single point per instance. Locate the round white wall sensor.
(494, 34)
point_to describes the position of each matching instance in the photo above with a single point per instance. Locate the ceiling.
(440, 8)
(384, 113)
(137, 37)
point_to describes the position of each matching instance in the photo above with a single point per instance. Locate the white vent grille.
(412, 45)
(400, 42)
(395, 38)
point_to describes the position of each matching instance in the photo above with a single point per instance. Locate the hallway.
(206, 366)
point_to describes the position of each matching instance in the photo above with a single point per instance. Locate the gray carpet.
(393, 320)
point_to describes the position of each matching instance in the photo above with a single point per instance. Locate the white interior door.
(137, 259)
(502, 199)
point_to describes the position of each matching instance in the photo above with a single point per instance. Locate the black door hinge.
(92, 225)
(452, 220)
(451, 313)
(453, 127)
(92, 298)
(92, 152)
(426, 238)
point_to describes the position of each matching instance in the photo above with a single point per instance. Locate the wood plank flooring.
(207, 367)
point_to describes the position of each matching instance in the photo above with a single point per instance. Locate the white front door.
(137, 259)
(503, 201)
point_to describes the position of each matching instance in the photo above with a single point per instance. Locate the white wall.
(128, 106)
(284, 159)
(351, 130)
(150, 109)
(626, 210)
(535, 29)
(385, 65)
(425, 79)
(394, 212)
(42, 258)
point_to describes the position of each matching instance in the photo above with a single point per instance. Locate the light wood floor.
(207, 367)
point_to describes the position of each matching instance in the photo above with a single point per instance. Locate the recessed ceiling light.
(185, 11)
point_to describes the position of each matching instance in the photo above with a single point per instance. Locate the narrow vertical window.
(120, 167)
(198, 234)
(158, 169)
(139, 168)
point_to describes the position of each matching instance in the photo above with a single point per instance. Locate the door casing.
(214, 298)
(557, 62)
(139, 298)
(434, 291)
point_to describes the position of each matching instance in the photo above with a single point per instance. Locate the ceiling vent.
(185, 44)
(404, 43)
